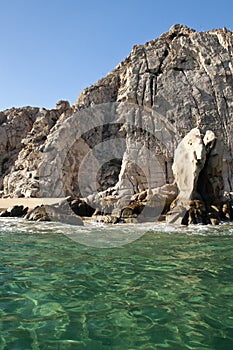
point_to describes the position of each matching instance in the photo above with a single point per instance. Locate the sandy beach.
(31, 203)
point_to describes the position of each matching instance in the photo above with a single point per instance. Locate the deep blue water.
(171, 288)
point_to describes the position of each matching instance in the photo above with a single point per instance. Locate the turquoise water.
(170, 289)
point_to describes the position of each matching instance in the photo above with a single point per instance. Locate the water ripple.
(171, 289)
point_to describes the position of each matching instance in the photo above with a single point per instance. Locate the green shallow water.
(170, 289)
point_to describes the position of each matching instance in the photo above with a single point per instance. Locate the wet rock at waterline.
(38, 213)
(54, 213)
(16, 211)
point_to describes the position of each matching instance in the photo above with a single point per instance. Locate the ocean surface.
(171, 288)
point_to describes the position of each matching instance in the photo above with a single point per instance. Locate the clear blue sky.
(53, 49)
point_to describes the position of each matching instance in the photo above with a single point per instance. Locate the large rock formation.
(23, 133)
(122, 132)
(185, 76)
(15, 123)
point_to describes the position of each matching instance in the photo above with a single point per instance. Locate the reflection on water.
(170, 289)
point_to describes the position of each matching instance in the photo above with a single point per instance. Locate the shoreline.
(31, 203)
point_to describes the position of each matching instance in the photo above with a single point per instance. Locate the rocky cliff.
(185, 76)
(122, 132)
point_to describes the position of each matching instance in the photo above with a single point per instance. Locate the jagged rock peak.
(180, 44)
(177, 30)
(62, 105)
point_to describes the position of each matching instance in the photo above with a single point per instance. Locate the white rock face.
(189, 159)
(197, 172)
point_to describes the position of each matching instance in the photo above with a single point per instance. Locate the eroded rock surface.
(197, 172)
(25, 133)
(186, 77)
